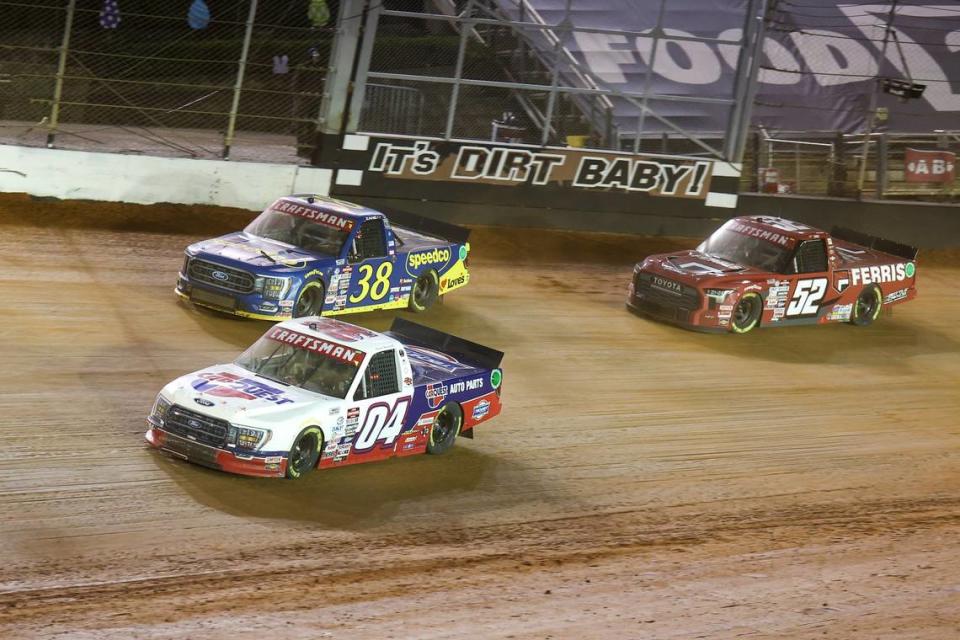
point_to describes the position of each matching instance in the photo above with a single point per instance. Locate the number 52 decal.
(806, 297)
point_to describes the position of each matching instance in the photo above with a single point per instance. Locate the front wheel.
(746, 315)
(305, 452)
(310, 301)
(445, 428)
(425, 291)
(867, 307)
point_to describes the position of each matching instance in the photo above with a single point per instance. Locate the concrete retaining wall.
(113, 177)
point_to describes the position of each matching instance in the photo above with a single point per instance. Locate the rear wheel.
(425, 291)
(867, 307)
(746, 314)
(305, 453)
(446, 426)
(310, 301)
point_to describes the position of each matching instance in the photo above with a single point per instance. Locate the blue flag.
(198, 17)
(110, 14)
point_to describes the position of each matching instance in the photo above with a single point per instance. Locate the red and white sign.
(929, 166)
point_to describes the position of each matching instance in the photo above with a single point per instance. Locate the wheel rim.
(443, 424)
(306, 302)
(744, 312)
(867, 306)
(303, 452)
(422, 291)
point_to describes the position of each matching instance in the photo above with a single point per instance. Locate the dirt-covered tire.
(305, 453)
(867, 307)
(445, 428)
(310, 300)
(425, 292)
(746, 313)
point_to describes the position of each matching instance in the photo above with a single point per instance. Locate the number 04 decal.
(381, 284)
(806, 297)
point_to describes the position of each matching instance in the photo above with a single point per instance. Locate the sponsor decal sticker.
(882, 273)
(315, 214)
(764, 234)
(436, 393)
(229, 385)
(481, 409)
(431, 258)
(317, 345)
(840, 312)
(496, 377)
(899, 294)
(466, 385)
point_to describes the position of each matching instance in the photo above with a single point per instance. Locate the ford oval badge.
(203, 401)
(219, 275)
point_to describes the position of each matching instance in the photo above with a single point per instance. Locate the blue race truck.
(311, 255)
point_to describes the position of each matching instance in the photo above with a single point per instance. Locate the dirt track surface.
(642, 482)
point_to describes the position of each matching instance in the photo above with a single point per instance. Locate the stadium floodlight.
(903, 89)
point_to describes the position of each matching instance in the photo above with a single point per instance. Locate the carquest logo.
(424, 258)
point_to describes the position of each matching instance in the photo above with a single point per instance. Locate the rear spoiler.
(873, 242)
(463, 350)
(426, 226)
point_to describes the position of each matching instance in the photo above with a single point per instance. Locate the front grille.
(196, 426)
(662, 311)
(228, 278)
(687, 299)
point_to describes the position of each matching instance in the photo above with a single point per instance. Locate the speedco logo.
(437, 256)
(669, 285)
(882, 273)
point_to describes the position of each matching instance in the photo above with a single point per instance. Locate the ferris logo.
(669, 285)
(882, 273)
(437, 256)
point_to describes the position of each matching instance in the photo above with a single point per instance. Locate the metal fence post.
(655, 36)
(61, 70)
(363, 67)
(238, 87)
(336, 86)
(882, 165)
(465, 28)
(566, 27)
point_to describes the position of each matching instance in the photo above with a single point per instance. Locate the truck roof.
(342, 333)
(776, 226)
(325, 204)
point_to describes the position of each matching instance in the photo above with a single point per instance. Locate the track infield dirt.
(642, 482)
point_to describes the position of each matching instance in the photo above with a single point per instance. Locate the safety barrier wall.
(82, 175)
(146, 180)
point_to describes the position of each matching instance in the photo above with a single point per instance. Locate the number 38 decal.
(381, 283)
(807, 296)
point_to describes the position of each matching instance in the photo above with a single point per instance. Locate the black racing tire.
(445, 428)
(310, 300)
(746, 313)
(867, 307)
(425, 292)
(305, 453)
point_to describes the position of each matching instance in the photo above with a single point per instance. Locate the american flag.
(110, 14)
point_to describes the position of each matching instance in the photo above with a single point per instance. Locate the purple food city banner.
(821, 59)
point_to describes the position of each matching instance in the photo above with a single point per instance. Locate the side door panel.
(373, 421)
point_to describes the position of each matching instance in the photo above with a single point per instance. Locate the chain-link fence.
(200, 78)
